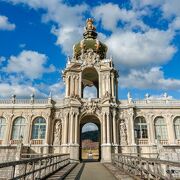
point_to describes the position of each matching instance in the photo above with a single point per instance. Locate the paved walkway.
(96, 171)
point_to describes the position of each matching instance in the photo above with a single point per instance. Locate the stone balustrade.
(24, 101)
(147, 168)
(33, 168)
(150, 102)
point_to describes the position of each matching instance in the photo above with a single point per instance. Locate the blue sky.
(37, 36)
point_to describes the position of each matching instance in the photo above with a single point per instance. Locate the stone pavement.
(95, 171)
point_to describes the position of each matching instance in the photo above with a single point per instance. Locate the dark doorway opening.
(90, 141)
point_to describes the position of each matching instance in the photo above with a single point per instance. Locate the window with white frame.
(39, 128)
(18, 128)
(140, 128)
(177, 127)
(160, 128)
(2, 127)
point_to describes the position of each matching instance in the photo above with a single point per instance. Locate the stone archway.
(90, 147)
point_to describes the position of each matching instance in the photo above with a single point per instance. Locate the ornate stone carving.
(123, 132)
(89, 58)
(90, 107)
(57, 133)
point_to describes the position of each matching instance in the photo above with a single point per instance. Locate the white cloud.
(171, 8)
(90, 92)
(57, 89)
(67, 18)
(145, 48)
(5, 24)
(66, 37)
(141, 49)
(116, 14)
(89, 127)
(21, 90)
(149, 79)
(30, 63)
(2, 59)
(175, 25)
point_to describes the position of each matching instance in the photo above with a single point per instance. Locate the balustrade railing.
(34, 168)
(37, 141)
(24, 101)
(147, 168)
(145, 102)
(142, 141)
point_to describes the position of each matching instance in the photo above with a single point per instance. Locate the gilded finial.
(89, 24)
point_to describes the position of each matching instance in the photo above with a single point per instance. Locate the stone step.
(62, 173)
(76, 172)
(117, 172)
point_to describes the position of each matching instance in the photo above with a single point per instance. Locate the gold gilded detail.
(89, 24)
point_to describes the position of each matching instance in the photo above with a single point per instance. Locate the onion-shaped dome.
(90, 42)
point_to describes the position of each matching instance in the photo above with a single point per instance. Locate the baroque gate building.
(54, 125)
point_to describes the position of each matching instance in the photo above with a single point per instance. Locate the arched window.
(39, 128)
(18, 128)
(90, 79)
(2, 127)
(140, 128)
(177, 127)
(90, 92)
(160, 128)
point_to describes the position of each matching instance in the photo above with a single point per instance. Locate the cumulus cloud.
(5, 24)
(132, 49)
(30, 63)
(57, 89)
(68, 20)
(89, 127)
(132, 42)
(21, 90)
(128, 18)
(149, 79)
(90, 92)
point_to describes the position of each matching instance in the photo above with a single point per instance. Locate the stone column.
(71, 85)
(104, 85)
(151, 132)
(67, 85)
(104, 129)
(112, 85)
(131, 127)
(77, 85)
(108, 128)
(48, 124)
(64, 140)
(71, 128)
(116, 89)
(76, 129)
(80, 85)
(26, 139)
(114, 128)
(170, 129)
(7, 136)
(74, 85)
(100, 85)
(107, 83)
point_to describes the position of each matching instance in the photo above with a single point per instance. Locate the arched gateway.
(90, 68)
(90, 139)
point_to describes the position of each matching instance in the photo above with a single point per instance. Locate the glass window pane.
(2, 127)
(140, 128)
(39, 128)
(18, 128)
(177, 127)
(160, 128)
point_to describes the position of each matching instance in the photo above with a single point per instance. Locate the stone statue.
(89, 24)
(123, 132)
(57, 133)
